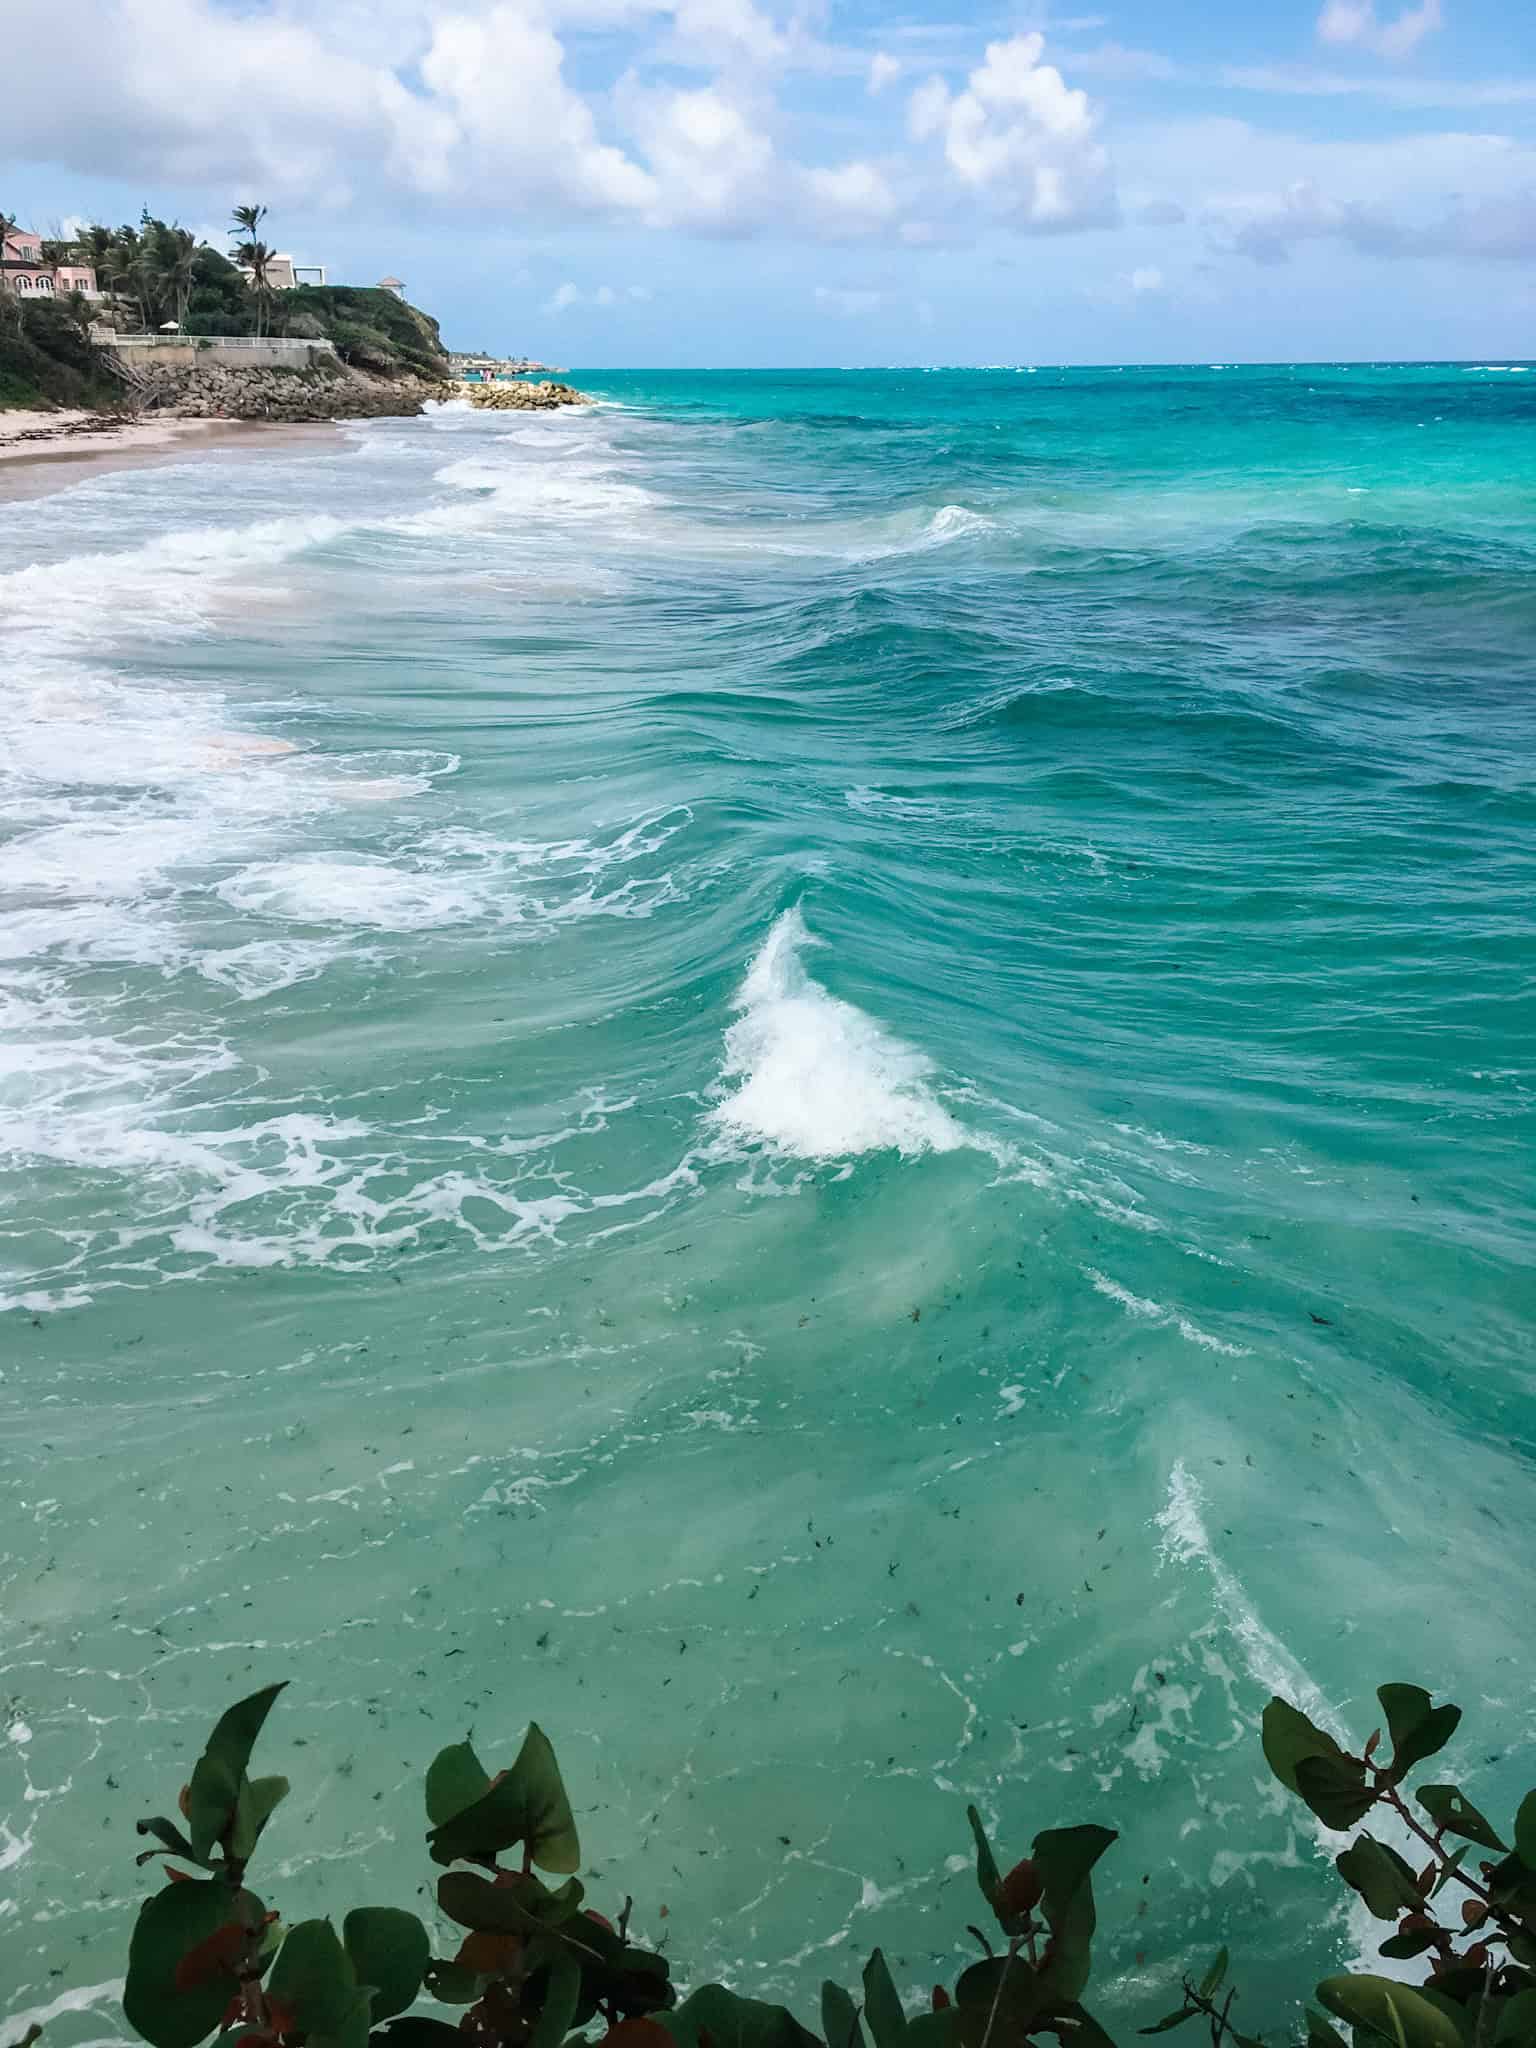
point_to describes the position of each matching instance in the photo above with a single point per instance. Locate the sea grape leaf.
(1448, 1808)
(352, 2031)
(1170, 2020)
(1418, 1728)
(526, 1804)
(561, 1996)
(882, 2004)
(1308, 1762)
(1335, 1789)
(1396, 2012)
(1083, 2030)
(1516, 2026)
(1401, 1946)
(988, 1877)
(1000, 1999)
(450, 1984)
(1381, 1877)
(730, 2021)
(166, 1832)
(1525, 1831)
(220, 1771)
(389, 1950)
(840, 2018)
(170, 1926)
(1065, 1857)
(524, 1907)
(314, 1977)
(1322, 2033)
(456, 1778)
(417, 2031)
(255, 1803)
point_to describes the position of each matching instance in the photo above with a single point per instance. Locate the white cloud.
(712, 162)
(1146, 278)
(848, 305)
(1355, 21)
(1020, 135)
(884, 70)
(602, 297)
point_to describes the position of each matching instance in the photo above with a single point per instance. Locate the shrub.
(534, 1964)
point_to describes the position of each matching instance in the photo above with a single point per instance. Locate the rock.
(543, 397)
(219, 391)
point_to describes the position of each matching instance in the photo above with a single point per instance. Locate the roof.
(390, 283)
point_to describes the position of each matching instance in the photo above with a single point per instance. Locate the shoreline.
(45, 452)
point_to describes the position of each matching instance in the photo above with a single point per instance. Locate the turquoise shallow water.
(827, 1076)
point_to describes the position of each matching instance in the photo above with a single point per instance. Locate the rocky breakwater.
(222, 392)
(543, 397)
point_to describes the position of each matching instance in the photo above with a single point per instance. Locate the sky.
(823, 182)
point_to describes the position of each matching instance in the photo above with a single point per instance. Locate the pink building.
(22, 269)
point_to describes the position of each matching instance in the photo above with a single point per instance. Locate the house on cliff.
(24, 270)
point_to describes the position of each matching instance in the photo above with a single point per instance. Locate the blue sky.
(700, 182)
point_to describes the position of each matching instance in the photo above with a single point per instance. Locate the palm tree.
(10, 302)
(252, 254)
(180, 259)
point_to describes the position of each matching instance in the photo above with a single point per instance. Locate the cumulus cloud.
(602, 296)
(1500, 227)
(1145, 278)
(884, 70)
(1022, 137)
(1355, 21)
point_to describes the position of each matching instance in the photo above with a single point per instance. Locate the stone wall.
(210, 391)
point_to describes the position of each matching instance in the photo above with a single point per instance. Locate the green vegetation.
(533, 1965)
(157, 273)
(48, 359)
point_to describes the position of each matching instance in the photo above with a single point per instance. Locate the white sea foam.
(360, 890)
(814, 1075)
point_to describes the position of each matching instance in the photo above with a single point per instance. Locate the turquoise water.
(827, 1076)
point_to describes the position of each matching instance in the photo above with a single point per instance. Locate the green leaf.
(1085, 2031)
(220, 1770)
(1381, 1877)
(1065, 1857)
(255, 1804)
(988, 1876)
(390, 1951)
(417, 2031)
(1000, 1999)
(1525, 1831)
(523, 1907)
(1396, 2012)
(167, 1832)
(1516, 2025)
(170, 1925)
(1322, 2033)
(352, 2031)
(561, 1997)
(940, 2029)
(1215, 1976)
(1401, 1946)
(313, 1975)
(449, 1984)
(527, 1804)
(456, 1778)
(1308, 1762)
(1449, 1809)
(882, 2004)
(1418, 1728)
(1337, 1792)
(1171, 2020)
(840, 2018)
(734, 2022)
(1289, 1737)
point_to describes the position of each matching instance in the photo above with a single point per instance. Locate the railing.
(297, 343)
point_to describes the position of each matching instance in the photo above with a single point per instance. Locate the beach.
(44, 451)
(824, 1076)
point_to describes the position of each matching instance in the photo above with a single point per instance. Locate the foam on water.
(814, 1076)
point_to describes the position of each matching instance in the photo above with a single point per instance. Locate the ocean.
(826, 1076)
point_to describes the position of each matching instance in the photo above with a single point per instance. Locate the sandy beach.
(45, 451)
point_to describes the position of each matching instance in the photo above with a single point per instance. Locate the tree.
(252, 254)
